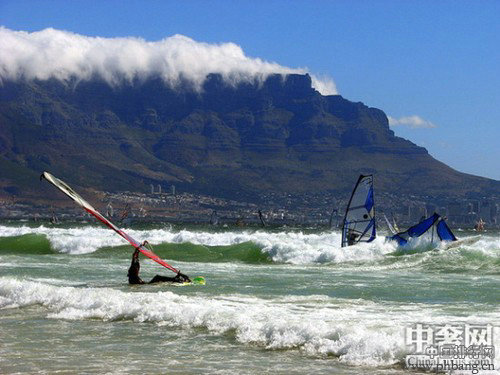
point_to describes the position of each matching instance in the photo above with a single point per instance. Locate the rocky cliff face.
(278, 135)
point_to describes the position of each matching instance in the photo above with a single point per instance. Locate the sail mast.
(66, 189)
(359, 220)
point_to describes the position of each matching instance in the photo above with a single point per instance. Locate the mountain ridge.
(225, 140)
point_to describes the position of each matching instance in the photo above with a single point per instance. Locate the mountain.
(279, 135)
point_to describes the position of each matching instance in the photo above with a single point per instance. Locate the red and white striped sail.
(61, 185)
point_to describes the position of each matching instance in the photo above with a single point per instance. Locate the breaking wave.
(472, 253)
(357, 332)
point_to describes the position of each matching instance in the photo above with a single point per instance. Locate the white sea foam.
(328, 330)
(73, 240)
(293, 247)
(286, 247)
(485, 245)
(358, 332)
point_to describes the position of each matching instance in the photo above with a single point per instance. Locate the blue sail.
(435, 226)
(359, 220)
(444, 232)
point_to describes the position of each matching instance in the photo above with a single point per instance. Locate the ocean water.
(281, 300)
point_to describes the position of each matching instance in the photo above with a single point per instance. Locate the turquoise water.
(277, 301)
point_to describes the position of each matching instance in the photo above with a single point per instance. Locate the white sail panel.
(359, 219)
(66, 189)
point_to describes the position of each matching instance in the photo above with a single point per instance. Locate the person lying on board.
(135, 266)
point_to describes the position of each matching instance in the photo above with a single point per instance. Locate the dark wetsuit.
(133, 271)
(179, 278)
(135, 266)
(160, 278)
(351, 238)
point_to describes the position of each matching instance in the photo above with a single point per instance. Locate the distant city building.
(455, 209)
(431, 208)
(457, 212)
(475, 206)
(416, 213)
(485, 211)
(494, 213)
(109, 210)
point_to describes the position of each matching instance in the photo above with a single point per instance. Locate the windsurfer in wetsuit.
(351, 238)
(135, 266)
(262, 222)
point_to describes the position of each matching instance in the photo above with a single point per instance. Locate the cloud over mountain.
(64, 55)
(414, 122)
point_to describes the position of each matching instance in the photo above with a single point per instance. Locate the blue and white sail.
(431, 230)
(359, 220)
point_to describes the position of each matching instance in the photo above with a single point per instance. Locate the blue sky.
(438, 60)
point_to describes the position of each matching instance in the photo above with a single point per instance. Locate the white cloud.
(63, 55)
(414, 122)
